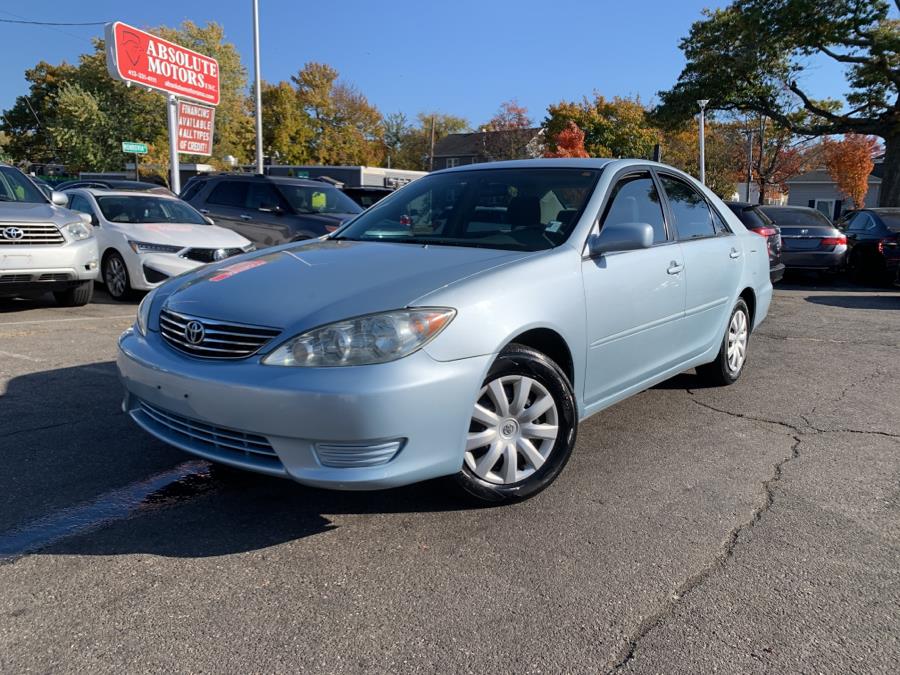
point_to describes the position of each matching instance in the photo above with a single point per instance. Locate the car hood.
(325, 220)
(181, 234)
(299, 286)
(23, 212)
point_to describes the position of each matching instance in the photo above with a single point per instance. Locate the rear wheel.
(77, 296)
(115, 276)
(522, 430)
(729, 363)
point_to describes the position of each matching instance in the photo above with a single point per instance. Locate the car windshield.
(16, 187)
(146, 209)
(306, 199)
(516, 209)
(891, 220)
(797, 217)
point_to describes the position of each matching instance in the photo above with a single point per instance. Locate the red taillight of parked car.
(764, 231)
(840, 240)
(331, 228)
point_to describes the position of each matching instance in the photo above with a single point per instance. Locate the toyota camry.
(461, 327)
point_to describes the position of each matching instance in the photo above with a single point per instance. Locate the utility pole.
(749, 163)
(258, 87)
(431, 154)
(174, 166)
(702, 103)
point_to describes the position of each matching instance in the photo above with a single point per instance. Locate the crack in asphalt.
(730, 542)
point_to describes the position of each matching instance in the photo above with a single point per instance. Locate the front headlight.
(148, 247)
(143, 313)
(79, 231)
(375, 338)
(249, 248)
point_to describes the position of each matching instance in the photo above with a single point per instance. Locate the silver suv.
(43, 246)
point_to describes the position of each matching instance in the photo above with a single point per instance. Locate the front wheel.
(522, 430)
(77, 296)
(729, 363)
(115, 276)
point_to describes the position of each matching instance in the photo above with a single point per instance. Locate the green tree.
(286, 126)
(347, 129)
(616, 127)
(81, 126)
(415, 147)
(752, 55)
(396, 126)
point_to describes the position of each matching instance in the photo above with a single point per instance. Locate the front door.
(634, 299)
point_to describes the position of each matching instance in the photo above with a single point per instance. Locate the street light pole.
(258, 87)
(749, 163)
(702, 103)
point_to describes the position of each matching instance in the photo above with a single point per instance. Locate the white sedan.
(144, 239)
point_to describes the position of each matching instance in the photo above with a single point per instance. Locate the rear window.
(751, 216)
(891, 221)
(798, 217)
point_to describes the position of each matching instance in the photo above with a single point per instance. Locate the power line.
(55, 23)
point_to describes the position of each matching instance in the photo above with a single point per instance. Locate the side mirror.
(59, 198)
(209, 220)
(86, 218)
(620, 237)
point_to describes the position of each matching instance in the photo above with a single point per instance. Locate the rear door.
(712, 263)
(224, 202)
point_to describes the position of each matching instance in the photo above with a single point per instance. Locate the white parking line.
(78, 318)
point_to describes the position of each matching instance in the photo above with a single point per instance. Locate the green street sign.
(134, 148)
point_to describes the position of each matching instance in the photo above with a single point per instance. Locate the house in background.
(817, 190)
(487, 146)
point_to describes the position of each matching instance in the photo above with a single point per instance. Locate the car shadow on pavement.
(76, 471)
(101, 297)
(857, 302)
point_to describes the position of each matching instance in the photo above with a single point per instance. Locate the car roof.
(546, 162)
(788, 207)
(100, 192)
(255, 177)
(884, 210)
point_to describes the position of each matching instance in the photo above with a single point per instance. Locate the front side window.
(140, 210)
(79, 203)
(862, 222)
(263, 196)
(514, 209)
(635, 199)
(312, 200)
(15, 187)
(693, 219)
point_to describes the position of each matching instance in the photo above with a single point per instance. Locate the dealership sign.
(195, 128)
(136, 56)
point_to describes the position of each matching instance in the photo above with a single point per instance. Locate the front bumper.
(37, 268)
(149, 270)
(326, 427)
(815, 260)
(776, 272)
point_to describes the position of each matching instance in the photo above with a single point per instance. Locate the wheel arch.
(552, 344)
(749, 296)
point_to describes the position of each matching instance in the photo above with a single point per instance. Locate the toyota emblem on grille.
(194, 332)
(12, 233)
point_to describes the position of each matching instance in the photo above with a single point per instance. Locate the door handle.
(734, 253)
(674, 268)
(204, 211)
(244, 216)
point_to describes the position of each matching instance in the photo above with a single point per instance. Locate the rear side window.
(191, 191)
(635, 199)
(693, 219)
(229, 193)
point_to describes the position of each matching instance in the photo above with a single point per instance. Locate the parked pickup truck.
(43, 246)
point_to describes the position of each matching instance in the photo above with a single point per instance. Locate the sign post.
(138, 57)
(136, 149)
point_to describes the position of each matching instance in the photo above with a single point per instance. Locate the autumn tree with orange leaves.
(568, 143)
(849, 163)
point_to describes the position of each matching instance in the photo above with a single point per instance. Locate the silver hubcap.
(514, 427)
(737, 341)
(115, 276)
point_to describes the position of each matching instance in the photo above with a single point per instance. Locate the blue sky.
(462, 57)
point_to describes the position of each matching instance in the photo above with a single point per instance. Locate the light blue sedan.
(461, 327)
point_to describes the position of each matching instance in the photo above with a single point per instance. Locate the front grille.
(207, 255)
(26, 278)
(55, 276)
(215, 339)
(15, 278)
(32, 235)
(222, 441)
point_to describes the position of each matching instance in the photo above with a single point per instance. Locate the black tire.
(720, 372)
(116, 290)
(77, 296)
(519, 360)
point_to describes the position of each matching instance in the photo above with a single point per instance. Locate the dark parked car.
(114, 184)
(809, 241)
(873, 241)
(756, 221)
(270, 210)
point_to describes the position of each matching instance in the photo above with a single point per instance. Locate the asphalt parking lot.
(750, 528)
